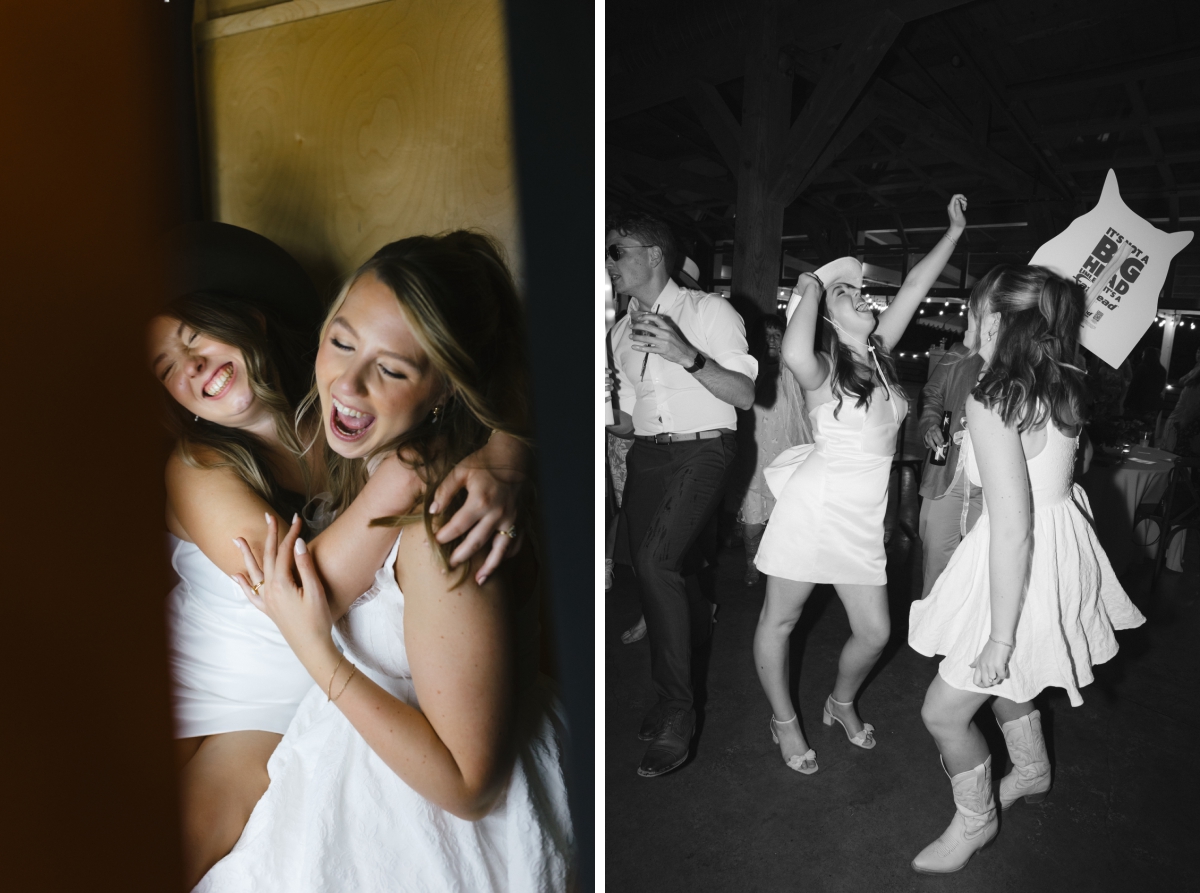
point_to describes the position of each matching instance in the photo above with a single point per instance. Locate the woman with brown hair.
(1029, 599)
(827, 526)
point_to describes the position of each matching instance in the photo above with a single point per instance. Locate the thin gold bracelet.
(998, 642)
(332, 676)
(341, 691)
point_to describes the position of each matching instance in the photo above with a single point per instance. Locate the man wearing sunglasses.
(682, 365)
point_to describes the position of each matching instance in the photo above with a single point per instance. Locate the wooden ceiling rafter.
(1142, 115)
(840, 87)
(1000, 100)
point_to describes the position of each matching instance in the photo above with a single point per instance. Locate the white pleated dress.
(231, 668)
(827, 526)
(1071, 605)
(336, 819)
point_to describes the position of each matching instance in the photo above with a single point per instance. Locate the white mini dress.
(1071, 605)
(827, 526)
(336, 819)
(231, 668)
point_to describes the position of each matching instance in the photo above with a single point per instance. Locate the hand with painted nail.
(495, 478)
(300, 611)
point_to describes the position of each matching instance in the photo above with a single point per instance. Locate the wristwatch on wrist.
(697, 365)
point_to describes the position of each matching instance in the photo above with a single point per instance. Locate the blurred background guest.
(943, 521)
(776, 421)
(1181, 433)
(1144, 399)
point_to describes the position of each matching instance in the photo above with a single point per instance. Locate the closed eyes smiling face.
(205, 376)
(849, 309)
(374, 379)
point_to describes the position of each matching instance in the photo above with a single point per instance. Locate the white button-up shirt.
(668, 399)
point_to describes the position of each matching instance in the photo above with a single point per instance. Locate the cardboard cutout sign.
(1121, 260)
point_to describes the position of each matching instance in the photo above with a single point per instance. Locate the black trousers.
(671, 492)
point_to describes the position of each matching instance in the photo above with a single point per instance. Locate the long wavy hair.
(278, 364)
(850, 375)
(459, 299)
(1035, 373)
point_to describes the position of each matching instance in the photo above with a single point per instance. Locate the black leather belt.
(668, 437)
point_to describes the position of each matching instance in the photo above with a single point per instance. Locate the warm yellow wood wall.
(340, 132)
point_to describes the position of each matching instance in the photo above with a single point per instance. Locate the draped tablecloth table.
(1116, 484)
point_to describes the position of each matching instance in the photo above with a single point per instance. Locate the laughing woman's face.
(205, 376)
(850, 310)
(374, 379)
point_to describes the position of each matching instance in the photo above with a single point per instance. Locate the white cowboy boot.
(1030, 776)
(973, 827)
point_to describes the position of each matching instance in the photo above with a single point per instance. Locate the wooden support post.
(766, 103)
(1168, 344)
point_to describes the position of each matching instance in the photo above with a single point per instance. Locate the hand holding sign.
(1121, 260)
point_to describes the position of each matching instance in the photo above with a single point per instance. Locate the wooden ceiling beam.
(1138, 69)
(1131, 161)
(1095, 126)
(667, 175)
(908, 115)
(901, 156)
(1001, 102)
(1142, 114)
(718, 121)
(840, 86)
(934, 87)
(852, 128)
(814, 26)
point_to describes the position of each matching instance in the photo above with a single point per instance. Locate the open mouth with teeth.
(346, 423)
(219, 383)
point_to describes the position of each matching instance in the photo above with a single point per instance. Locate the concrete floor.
(1122, 815)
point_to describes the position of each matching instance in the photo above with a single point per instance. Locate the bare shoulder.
(419, 572)
(214, 488)
(184, 473)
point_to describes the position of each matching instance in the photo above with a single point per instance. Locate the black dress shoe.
(652, 724)
(670, 748)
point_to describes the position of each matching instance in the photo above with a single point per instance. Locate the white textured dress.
(1071, 605)
(336, 819)
(231, 668)
(827, 526)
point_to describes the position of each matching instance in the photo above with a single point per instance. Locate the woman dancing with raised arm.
(428, 758)
(827, 526)
(234, 351)
(1028, 599)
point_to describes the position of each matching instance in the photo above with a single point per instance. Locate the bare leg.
(220, 786)
(870, 627)
(780, 611)
(948, 714)
(1006, 710)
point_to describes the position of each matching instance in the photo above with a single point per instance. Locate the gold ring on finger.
(254, 588)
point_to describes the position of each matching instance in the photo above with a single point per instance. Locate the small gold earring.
(437, 414)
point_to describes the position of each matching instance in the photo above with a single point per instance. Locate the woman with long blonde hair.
(429, 754)
(234, 349)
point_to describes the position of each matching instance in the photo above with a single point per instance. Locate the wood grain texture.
(217, 8)
(338, 134)
(268, 15)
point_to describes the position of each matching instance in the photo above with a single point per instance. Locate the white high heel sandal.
(864, 739)
(796, 761)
